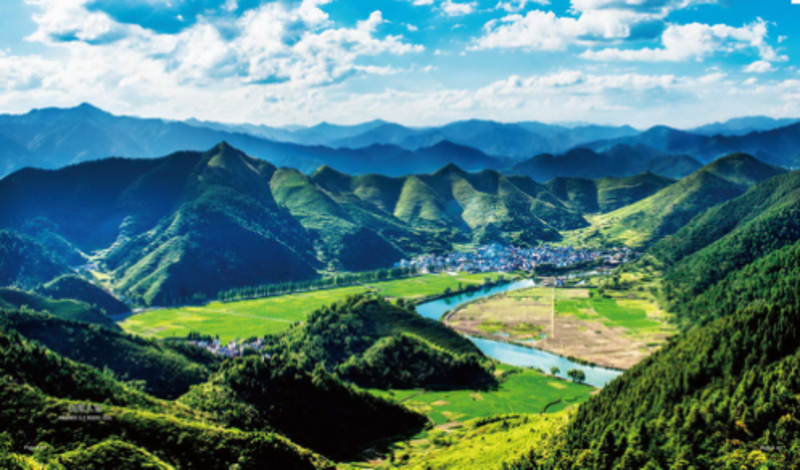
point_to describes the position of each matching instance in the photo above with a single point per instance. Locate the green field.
(244, 319)
(633, 310)
(479, 445)
(526, 391)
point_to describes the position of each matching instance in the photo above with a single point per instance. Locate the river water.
(513, 354)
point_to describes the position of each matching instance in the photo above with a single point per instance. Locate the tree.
(577, 375)
(554, 370)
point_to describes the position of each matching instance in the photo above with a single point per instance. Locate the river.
(513, 354)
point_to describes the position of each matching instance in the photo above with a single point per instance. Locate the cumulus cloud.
(592, 21)
(514, 6)
(451, 8)
(760, 66)
(272, 42)
(598, 23)
(696, 41)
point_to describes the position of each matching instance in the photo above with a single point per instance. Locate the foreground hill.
(668, 210)
(65, 309)
(313, 409)
(51, 389)
(199, 223)
(375, 344)
(166, 370)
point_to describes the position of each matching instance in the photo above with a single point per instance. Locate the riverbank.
(612, 331)
(514, 354)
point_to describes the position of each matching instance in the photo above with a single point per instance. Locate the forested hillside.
(665, 212)
(374, 343)
(163, 370)
(190, 225)
(725, 393)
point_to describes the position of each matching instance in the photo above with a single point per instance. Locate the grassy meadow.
(524, 391)
(479, 444)
(635, 310)
(270, 315)
(473, 428)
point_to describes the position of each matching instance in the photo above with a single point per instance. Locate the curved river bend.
(511, 353)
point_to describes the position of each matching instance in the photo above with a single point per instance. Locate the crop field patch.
(616, 331)
(526, 391)
(274, 315)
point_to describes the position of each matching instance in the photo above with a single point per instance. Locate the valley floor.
(273, 315)
(611, 328)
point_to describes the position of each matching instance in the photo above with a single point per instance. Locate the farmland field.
(247, 318)
(615, 328)
(526, 391)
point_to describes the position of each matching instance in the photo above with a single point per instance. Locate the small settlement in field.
(502, 258)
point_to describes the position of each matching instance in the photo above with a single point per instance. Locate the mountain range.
(776, 146)
(53, 138)
(201, 222)
(618, 161)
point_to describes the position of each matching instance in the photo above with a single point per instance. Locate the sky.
(417, 62)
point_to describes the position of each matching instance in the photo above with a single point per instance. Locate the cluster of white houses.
(501, 258)
(232, 349)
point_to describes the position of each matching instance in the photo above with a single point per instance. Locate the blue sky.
(418, 62)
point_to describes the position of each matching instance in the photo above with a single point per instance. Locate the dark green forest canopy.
(376, 343)
(167, 369)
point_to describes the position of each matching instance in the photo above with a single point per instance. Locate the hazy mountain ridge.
(53, 138)
(621, 160)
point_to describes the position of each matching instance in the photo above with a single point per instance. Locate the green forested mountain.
(166, 370)
(66, 309)
(374, 343)
(25, 263)
(606, 194)
(238, 417)
(618, 161)
(666, 211)
(192, 223)
(72, 286)
(715, 246)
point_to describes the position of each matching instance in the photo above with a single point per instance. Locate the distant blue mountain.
(744, 125)
(53, 138)
(780, 147)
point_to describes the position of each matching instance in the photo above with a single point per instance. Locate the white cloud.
(451, 8)
(540, 30)
(760, 66)
(411, 27)
(696, 41)
(513, 6)
(276, 42)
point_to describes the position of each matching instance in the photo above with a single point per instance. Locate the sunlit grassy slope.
(275, 314)
(524, 391)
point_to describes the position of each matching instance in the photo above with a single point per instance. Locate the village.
(501, 258)
(232, 349)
